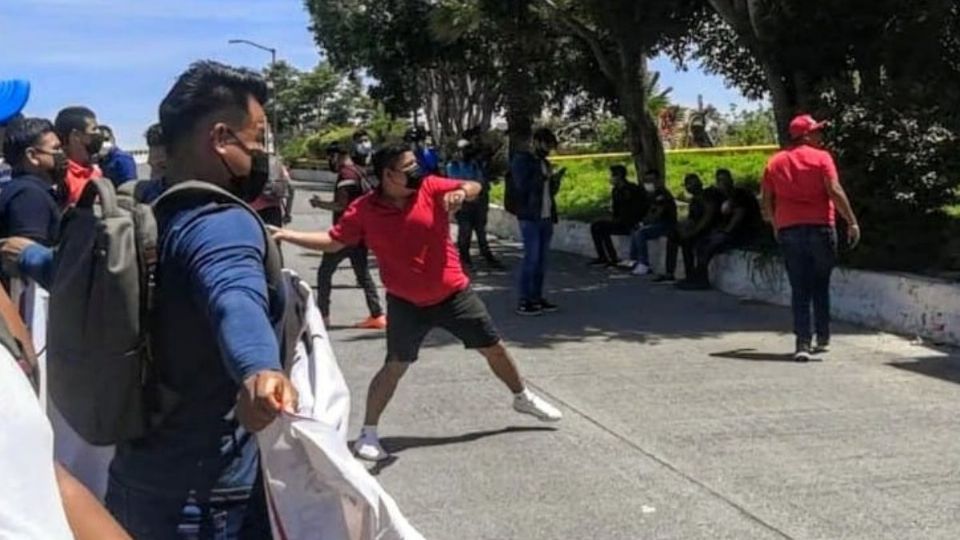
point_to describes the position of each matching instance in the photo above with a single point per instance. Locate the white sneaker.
(368, 448)
(641, 269)
(534, 405)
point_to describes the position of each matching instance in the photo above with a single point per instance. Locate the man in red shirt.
(406, 223)
(802, 193)
(77, 129)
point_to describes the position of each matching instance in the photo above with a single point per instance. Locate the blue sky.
(119, 57)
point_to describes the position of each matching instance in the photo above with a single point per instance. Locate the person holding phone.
(536, 184)
(801, 195)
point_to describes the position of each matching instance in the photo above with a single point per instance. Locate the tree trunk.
(643, 135)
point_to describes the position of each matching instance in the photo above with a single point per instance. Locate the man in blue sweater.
(196, 474)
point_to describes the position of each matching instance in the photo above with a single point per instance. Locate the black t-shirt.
(663, 207)
(352, 180)
(744, 199)
(630, 204)
(29, 209)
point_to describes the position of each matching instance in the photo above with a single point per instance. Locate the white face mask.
(649, 187)
(365, 148)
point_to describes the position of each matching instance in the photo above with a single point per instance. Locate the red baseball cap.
(803, 125)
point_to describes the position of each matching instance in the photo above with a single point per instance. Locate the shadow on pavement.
(753, 355)
(395, 445)
(945, 368)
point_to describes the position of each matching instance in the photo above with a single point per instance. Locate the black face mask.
(250, 186)
(415, 177)
(95, 144)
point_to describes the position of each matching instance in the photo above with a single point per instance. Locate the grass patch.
(585, 193)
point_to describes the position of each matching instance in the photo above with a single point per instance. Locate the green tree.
(621, 36)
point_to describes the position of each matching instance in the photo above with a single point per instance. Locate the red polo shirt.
(418, 262)
(799, 177)
(78, 175)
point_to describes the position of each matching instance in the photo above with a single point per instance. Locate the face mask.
(649, 186)
(95, 144)
(414, 178)
(250, 186)
(365, 148)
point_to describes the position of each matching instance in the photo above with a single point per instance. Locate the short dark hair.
(22, 134)
(359, 134)
(653, 172)
(545, 135)
(692, 176)
(107, 132)
(154, 136)
(72, 119)
(724, 172)
(207, 87)
(387, 157)
(618, 170)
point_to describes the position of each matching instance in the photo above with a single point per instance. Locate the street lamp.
(274, 116)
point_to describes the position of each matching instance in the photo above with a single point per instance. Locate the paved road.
(683, 421)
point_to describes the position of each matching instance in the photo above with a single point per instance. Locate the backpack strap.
(207, 191)
(102, 189)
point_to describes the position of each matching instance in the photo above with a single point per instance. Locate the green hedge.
(585, 193)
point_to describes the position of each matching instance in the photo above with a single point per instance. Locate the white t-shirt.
(30, 504)
(546, 210)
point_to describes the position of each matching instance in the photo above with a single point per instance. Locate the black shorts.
(464, 315)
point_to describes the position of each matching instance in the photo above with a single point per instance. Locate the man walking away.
(661, 221)
(405, 222)
(117, 165)
(629, 204)
(82, 141)
(351, 184)
(703, 214)
(741, 221)
(473, 217)
(801, 193)
(536, 186)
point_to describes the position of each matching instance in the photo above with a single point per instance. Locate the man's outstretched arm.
(317, 241)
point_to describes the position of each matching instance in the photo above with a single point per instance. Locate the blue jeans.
(810, 253)
(536, 244)
(638, 243)
(148, 516)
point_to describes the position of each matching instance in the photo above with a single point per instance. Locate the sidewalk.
(684, 420)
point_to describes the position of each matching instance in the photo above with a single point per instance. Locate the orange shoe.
(373, 323)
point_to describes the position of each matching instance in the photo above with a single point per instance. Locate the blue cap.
(13, 97)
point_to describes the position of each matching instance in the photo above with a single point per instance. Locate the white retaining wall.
(899, 303)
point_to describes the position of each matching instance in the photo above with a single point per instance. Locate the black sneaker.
(599, 262)
(529, 309)
(547, 307)
(664, 278)
(803, 354)
(823, 347)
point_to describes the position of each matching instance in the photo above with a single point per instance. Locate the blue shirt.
(428, 159)
(119, 166)
(29, 209)
(213, 327)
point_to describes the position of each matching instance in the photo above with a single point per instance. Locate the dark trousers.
(677, 243)
(708, 247)
(361, 269)
(810, 253)
(602, 231)
(536, 244)
(146, 516)
(472, 219)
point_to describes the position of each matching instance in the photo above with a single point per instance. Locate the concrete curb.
(899, 303)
